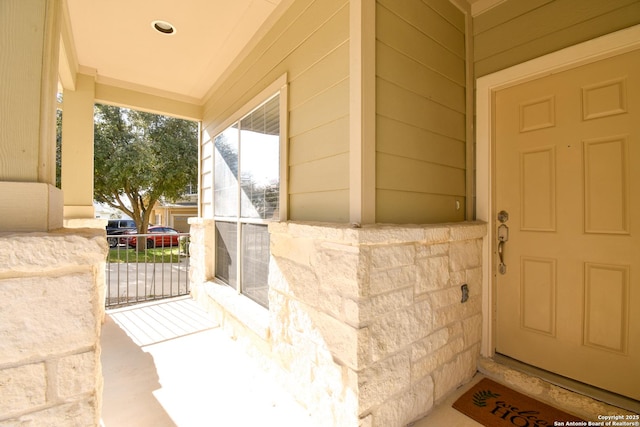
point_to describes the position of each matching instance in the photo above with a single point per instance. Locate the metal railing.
(158, 268)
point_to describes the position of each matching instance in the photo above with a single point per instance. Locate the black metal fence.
(156, 267)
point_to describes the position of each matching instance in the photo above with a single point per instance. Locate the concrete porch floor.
(166, 363)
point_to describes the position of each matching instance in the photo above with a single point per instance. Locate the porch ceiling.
(116, 40)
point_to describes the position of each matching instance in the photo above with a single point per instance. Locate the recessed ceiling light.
(163, 27)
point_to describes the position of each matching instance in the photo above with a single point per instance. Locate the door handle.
(503, 237)
(502, 267)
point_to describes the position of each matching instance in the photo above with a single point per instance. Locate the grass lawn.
(171, 254)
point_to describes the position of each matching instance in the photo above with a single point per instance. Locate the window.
(246, 197)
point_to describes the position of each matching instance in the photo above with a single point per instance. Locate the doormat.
(494, 405)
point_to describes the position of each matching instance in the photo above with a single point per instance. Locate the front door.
(567, 156)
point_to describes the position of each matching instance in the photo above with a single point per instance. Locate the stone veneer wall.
(51, 312)
(367, 324)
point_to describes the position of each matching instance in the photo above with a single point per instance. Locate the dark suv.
(116, 227)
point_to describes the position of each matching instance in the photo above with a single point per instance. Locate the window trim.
(278, 88)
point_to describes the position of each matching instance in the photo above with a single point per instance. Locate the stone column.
(51, 307)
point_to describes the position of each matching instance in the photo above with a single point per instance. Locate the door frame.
(600, 48)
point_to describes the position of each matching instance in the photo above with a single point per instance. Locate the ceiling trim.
(142, 100)
(482, 6)
(134, 87)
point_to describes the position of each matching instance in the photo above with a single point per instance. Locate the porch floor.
(167, 363)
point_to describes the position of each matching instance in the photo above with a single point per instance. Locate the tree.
(141, 157)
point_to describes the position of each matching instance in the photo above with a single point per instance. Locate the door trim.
(590, 51)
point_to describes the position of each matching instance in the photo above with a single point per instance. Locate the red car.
(158, 237)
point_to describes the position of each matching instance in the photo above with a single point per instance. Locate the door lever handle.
(503, 237)
(502, 267)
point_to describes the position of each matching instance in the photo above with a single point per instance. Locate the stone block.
(328, 377)
(351, 312)
(468, 230)
(296, 280)
(424, 318)
(390, 234)
(303, 318)
(393, 332)
(431, 343)
(444, 316)
(474, 280)
(383, 257)
(366, 421)
(386, 280)
(346, 343)
(406, 407)
(455, 373)
(76, 374)
(40, 316)
(423, 250)
(384, 379)
(441, 249)
(457, 278)
(321, 231)
(299, 251)
(432, 274)
(378, 306)
(22, 388)
(465, 254)
(40, 253)
(441, 356)
(75, 414)
(337, 269)
(331, 303)
(437, 233)
(446, 297)
(472, 328)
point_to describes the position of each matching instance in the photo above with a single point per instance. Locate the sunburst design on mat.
(480, 397)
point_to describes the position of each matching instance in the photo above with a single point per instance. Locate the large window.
(246, 197)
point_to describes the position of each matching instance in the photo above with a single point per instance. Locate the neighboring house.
(354, 159)
(176, 215)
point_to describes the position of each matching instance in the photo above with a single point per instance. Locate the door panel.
(567, 155)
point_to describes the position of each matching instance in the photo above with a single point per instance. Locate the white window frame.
(278, 87)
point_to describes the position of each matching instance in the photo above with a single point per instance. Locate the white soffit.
(117, 39)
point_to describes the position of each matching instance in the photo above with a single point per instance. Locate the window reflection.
(260, 161)
(226, 173)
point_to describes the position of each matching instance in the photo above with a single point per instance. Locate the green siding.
(517, 31)
(421, 112)
(310, 43)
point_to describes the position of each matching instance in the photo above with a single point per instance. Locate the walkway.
(167, 364)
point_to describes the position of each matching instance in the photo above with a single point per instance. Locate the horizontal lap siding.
(311, 44)
(206, 178)
(421, 124)
(517, 31)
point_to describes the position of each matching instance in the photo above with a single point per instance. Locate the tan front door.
(568, 174)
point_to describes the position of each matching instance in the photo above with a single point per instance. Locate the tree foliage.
(141, 157)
